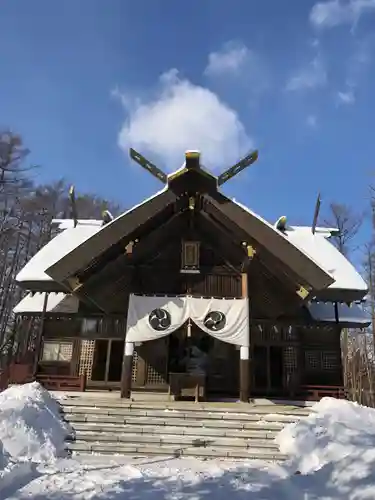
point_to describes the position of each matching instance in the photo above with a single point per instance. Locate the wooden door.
(107, 362)
(268, 369)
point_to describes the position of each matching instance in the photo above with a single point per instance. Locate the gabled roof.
(318, 247)
(183, 185)
(314, 261)
(109, 235)
(61, 245)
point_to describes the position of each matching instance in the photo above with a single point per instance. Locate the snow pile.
(31, 428)
(335, 447)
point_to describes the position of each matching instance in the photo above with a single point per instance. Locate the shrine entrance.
(107, 363)
(189, 351)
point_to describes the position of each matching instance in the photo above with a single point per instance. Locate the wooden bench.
(316, 392)
(62, 382)
(186, 384)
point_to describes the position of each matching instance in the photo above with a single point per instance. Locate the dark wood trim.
(109, 235)
(221, 241)
(274, 241)
(39, 338)
(126, 379)
(340, 295)
(41, 286)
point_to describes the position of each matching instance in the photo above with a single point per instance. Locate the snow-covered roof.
(315, 246)
(53, 251)
(57, 302)
(63, 224)
(353, 315)
(321, 250)
(282, 234)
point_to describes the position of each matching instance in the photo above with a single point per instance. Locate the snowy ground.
(332, 457)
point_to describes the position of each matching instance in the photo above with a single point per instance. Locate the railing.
(22, 373)
(317, 392)
(62, 382)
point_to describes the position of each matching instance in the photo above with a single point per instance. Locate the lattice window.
(57, 351)
(135, 366)
(87, 357)
(154, 377)
(312, 360)
(330, 361)
(290, 359)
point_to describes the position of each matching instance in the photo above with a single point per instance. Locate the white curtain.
(174, 312)
(150, 318)
(224, 319)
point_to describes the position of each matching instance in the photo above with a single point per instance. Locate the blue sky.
(82, 80)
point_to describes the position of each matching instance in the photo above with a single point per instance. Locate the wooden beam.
(147, 165)
(109, 235)
(224, 240)
(275, 242)
(237, 168)
(110, 280)
(252, 250)
(39, 337)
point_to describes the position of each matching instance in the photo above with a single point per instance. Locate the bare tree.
(26, 212)
(348, 223)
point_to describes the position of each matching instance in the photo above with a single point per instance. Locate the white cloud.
(312, 121)
(233, 58)
(236, 64)
(336, 12)
(310, 77)
(184, 116)
(347, 97)
(356, 68)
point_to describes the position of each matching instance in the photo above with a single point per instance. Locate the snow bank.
(31, 428)
(334, 445)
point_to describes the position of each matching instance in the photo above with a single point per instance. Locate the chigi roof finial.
(192, 162)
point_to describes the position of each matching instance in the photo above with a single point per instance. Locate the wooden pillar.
(244, 356)
(39, 338)
(127, 367)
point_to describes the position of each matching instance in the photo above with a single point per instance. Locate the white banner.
(150, 318)
(224, 319)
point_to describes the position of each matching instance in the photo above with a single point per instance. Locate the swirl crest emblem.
(160, 319)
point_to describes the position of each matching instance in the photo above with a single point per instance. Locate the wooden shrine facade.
(284, 358)
(188, 240)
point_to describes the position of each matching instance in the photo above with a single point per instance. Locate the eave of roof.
(57, 303)
(62, 244)
(109, 235)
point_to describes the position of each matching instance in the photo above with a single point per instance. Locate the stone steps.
(128, 415)
(174, 439)
(136, 450)
(187, 407)
(112, 426)
(256, 432)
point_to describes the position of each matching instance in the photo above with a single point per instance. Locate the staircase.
(144, 428)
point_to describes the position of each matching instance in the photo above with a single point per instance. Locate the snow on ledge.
(57, 302)
(53, 251)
